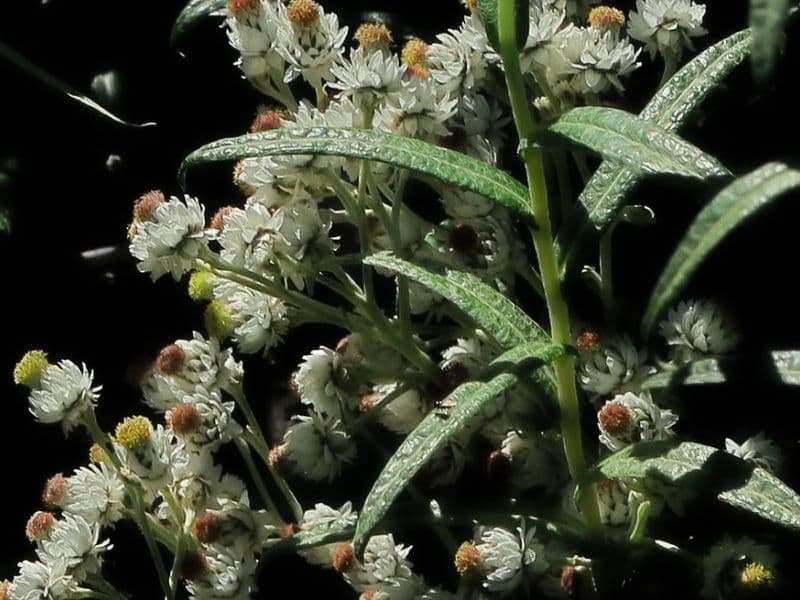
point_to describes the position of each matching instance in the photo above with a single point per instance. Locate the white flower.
(318, 447)
(323, 382)
(758, 450)
(171, 239)
(95, 493)
(481, 122)
(201, 485)
(509, 559)
(419, 109)
(254, 34)
(367, 76)
(723, 565)
(228, 577)
(259, 321)
(470, 354)
(543, 26)
(457, 61)
(320, 519)
(215, 426)
(594, 60)
(239, 529)
(463, 204)
(75, 541)
(310, 49)
(617, 502)
(385, 565)
(44, 581)
(697, 328)
(628, 418)
(404, 412)
(537, 460)
(65, 394)
(184, 366)
(614, 363)
(150, 459)
(667, 26)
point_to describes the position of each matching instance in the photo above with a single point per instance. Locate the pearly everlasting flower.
(617, 502)
(253, 31)
(697, 328)
(404, 412)
(65, 393)
(628, 418)
(77, 542)
(184, 366)
(236, 527)
(667, 26)
(385, 565)
(457, 61)
(227, 576)
(508, 560)
(259, 321)
(323, 518)
(470, 354)
(478, 129)
(96, 493)
(318, 447)
(146, 454)
(725, 563)
(613, 364)
(758, 450)
(324, 382)
(213, 424)
(201, 485)
(419, 109)
(45, 580)
(171, 239)
(463, 204)
(593, 60)
(365, 77)
(310, 41)
(543, 26)
(537, 460)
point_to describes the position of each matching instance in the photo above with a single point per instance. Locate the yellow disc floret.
(303, 13)
(757, 577)
(134, 432)
(373, 36)
(98, 454)
(218, 320)
(201, 286)
(28, 371)
(5, 589)
(606, 17)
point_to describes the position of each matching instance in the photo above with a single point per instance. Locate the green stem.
(640, 525)
(548, 267)
(607, 277)
(144, 524)
(247, 456)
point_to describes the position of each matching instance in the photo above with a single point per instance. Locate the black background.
(103, 312)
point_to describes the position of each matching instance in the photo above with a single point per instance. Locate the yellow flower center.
(373, 36)
(134, 432)
(468, 559)
(218, 320)
(756, 576)
(303, 13)
(606, 17)
(28, 371)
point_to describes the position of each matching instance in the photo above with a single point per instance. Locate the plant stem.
(607, 277)
(247, 456)
(564, 367)
(144, 524)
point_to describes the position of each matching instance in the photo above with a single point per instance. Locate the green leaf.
(781, 366)
(704, 469)
(732, 206)
(446, 165)
(55, 85)
(605, 192)
(195, 11)
(5, 219)
(768, 22)
(306, 540)
(641, 146)
(454, 413)
(495, 313)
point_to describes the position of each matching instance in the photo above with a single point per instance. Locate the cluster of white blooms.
(758, 450)
(628, 418)
(612, 365)
(667, 26)
(697, 328)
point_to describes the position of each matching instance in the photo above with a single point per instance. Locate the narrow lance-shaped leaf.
(453, 414)
(195, 11)
(768, 22)
(496, 314)
(446, 165)
(622, 137)
(781, 366)
(703, 468)
(55, 85)
(605, 192)
(726, 211)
